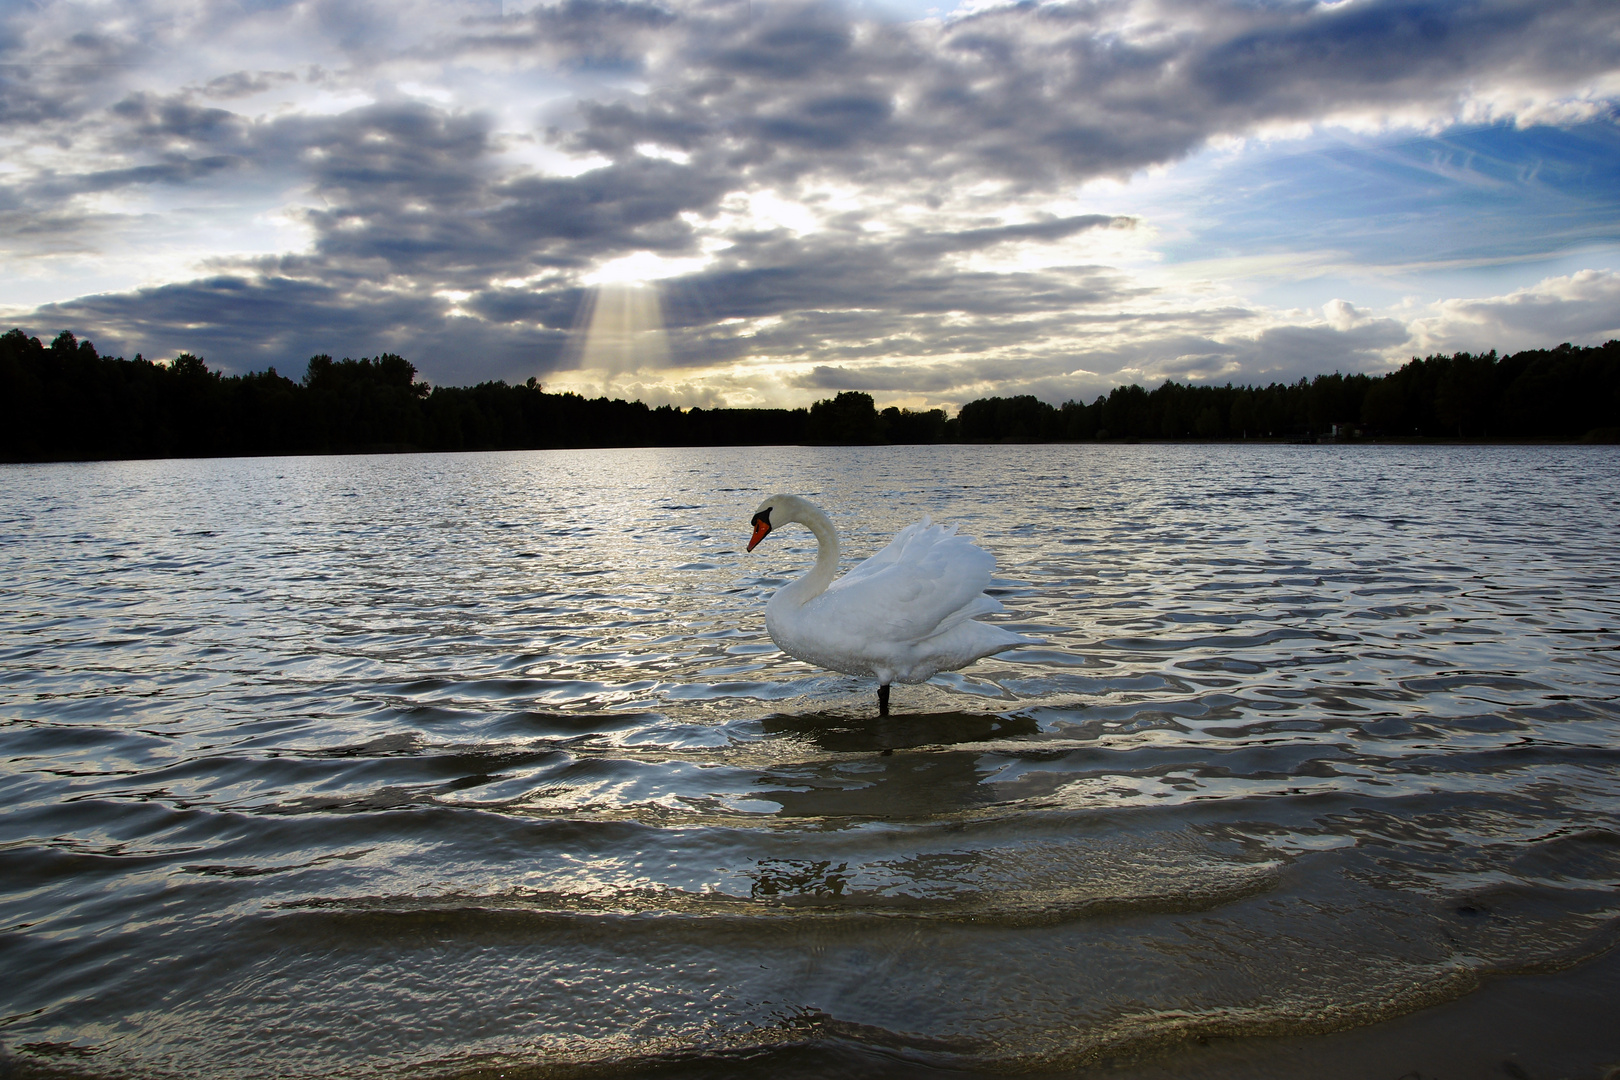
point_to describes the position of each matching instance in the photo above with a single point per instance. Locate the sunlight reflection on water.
(315, 764)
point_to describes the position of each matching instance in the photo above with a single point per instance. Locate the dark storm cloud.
(265, 308)
(414, 187)
(155, 122)
(408, 201)
(776, 273)
(176, 170)
(630, 206)
(240, 324)
(409, 188)
(443, 221)
(829, 287)
(884, 378)
(611, 34)
(1048, 229)
(24, 102)
(1033, 93)
(785, 42)
(1276, 354)
(49, 77)
(614, 129)
(1389, 50)
(848, 281)
(556, 309)
(240, 84)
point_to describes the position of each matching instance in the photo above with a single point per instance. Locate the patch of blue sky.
(1373, 219)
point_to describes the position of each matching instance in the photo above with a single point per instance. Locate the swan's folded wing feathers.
(926, 581)
(980, 605)
(893, 552)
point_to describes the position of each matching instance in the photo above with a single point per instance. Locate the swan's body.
(903, 615)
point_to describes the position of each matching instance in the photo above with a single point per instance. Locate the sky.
(733, 203)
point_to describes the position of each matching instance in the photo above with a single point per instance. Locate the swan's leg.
(883, 700)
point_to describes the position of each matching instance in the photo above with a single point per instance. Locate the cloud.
(242, 323)
(1039, 93)
(241, 84)
(854, 203)
(1581, 308)
(883, 377)
(590, 34)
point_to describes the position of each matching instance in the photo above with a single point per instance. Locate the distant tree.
(904, 426)
(1240, 418)
(1466, 394)
(851, 417)
(1024, 418)
(1125, 412)
(1074, 421)
(186, 366)
(364, 404)
(66, 401)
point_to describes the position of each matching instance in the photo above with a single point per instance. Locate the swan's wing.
(925, 581)
(892, 553)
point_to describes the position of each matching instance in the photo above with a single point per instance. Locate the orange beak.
(762, 528)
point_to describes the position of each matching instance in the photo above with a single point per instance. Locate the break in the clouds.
(709, 201)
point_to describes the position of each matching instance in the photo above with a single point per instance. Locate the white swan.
(900, 616)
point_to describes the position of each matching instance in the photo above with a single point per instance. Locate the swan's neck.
(820, 576)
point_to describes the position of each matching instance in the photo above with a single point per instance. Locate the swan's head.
(773, 512)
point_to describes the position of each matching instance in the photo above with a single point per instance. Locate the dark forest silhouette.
(67, 402)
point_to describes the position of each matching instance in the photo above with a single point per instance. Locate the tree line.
(67, 402)
(1565, 393)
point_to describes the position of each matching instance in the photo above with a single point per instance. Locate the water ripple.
(478, 762)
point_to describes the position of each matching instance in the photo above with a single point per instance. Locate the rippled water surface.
(484, 764)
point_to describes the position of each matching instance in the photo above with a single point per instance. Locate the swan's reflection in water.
(894, 768)
(899, 772)
(854, 735)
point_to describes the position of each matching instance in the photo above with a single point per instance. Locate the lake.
(483, 765)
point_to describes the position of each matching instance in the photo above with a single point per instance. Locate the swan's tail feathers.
(983, 604)
(1012, 638)
(957, 647)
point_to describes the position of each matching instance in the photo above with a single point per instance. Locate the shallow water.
(467, 764)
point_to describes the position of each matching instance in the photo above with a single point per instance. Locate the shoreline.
(404, 451)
